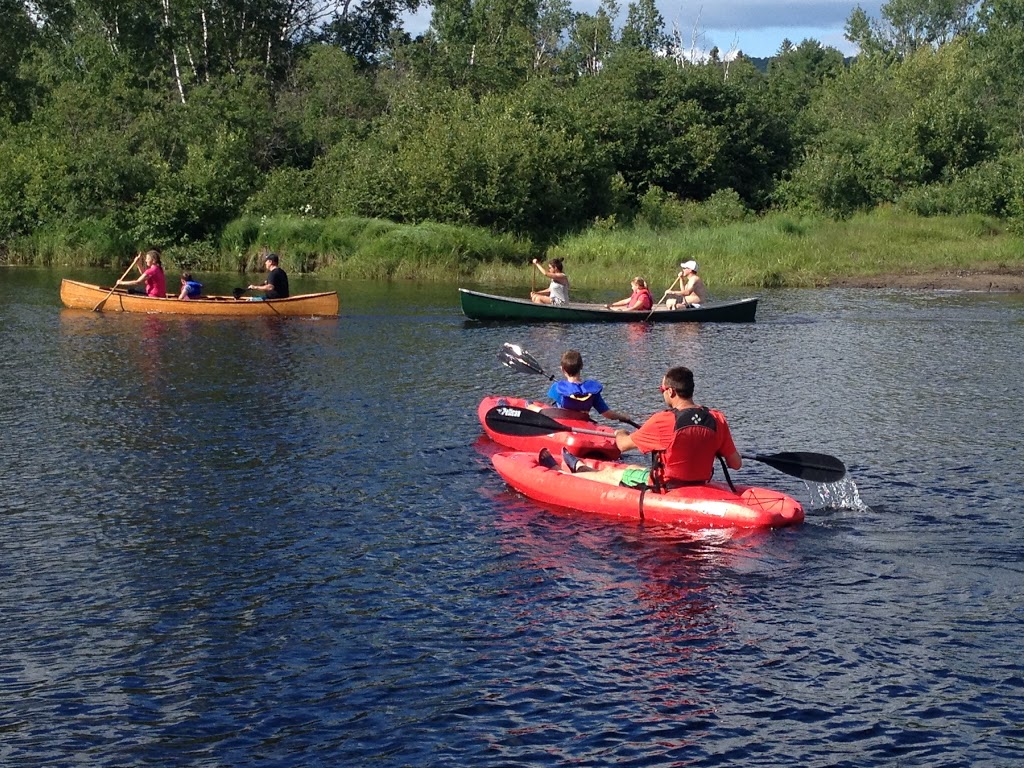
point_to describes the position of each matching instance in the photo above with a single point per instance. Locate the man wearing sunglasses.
(689, 436)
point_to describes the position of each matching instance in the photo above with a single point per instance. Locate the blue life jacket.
(578, 397)
(193, 289)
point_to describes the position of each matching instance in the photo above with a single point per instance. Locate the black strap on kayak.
(725, 469)
(643, 489)
(658, 471)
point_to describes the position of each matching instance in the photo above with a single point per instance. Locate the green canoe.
(484, 306)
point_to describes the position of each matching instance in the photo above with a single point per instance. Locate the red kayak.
(712, 505)
(587, 446)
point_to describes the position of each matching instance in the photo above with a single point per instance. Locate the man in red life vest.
(690, 436)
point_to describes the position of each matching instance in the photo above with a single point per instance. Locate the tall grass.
(776, 250)
(781, 249)
(88, 242)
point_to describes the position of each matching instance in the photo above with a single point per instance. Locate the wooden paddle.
(521, 422)
(517, 358)
(662, 299)
(122, 277)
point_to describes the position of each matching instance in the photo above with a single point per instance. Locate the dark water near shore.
(280, 543)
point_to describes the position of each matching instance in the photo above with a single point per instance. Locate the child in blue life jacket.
(190, 289)
(576, 394)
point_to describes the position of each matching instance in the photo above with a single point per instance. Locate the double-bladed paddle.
(515, 357)
(518, 359)
(522, 422)
(816, 467)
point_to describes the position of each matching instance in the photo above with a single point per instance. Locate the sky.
(756, 27)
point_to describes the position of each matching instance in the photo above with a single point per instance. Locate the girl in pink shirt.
(152, 276)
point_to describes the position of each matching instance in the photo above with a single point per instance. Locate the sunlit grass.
(777, 250)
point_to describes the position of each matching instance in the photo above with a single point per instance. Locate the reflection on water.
(226, 539)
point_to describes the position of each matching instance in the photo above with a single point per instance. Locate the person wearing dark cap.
(692, 292)
(276, 286)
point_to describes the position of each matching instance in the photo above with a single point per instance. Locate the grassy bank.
(783, 250)
(774, 251)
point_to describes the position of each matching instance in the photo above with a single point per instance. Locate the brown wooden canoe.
(85, 296)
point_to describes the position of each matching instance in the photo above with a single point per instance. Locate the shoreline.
(987, 281)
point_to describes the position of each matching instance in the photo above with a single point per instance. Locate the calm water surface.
(280, 543)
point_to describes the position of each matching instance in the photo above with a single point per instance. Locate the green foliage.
(661, 211)
(194, 202)
(17, 35)
(354, 247)
(87, 241)
(286, 191)
(992, 188)
(686, 130)
(645, 27)
(884, 128)
(193, 257)
(491, 163)
(215, 136)
(908, 26)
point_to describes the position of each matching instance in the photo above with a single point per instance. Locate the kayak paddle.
(816, 467)
(517, 358)
(522, 422)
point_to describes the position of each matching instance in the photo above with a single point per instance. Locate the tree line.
(127, 123)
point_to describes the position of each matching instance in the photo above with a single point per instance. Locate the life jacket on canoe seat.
(578, 396)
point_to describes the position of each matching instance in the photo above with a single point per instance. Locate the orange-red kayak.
(596, 446)
(711, 505)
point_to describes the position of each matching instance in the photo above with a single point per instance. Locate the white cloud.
(756, 27)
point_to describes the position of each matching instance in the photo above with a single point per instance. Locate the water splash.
(840, 495)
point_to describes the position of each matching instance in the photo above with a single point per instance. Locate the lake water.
(280, 542)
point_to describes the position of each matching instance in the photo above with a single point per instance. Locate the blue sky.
(756, 27)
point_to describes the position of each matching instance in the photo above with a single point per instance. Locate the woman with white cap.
(692, 292)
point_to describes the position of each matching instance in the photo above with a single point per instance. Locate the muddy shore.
(1001, 281)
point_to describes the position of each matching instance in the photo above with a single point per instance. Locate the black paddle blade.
(237, 292)
(517, 358)
(521, 422)
(816, 467)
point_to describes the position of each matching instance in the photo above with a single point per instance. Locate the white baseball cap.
(691, 264)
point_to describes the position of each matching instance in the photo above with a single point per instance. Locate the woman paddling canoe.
(557, 291)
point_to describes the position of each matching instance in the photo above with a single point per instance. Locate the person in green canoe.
(692, 292)
(557, 291)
